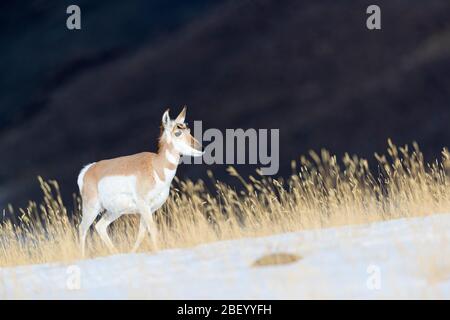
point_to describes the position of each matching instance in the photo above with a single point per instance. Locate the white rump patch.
(83, 171)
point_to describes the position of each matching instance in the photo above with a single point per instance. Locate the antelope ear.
(181, 116)
(166, 119)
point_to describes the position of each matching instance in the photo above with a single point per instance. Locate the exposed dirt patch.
(276, 259)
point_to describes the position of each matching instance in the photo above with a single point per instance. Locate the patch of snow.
(405, 258)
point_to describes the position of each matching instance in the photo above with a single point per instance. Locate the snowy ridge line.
(404, 258)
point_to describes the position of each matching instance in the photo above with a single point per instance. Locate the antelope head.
(178, 133)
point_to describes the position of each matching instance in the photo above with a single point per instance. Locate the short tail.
(83, 171)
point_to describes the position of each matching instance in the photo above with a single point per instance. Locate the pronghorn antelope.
(138, 183)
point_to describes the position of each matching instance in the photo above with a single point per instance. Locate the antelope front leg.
(141, 234)
(152, 229)
(148, 221)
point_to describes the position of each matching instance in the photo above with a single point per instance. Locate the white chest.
(157, 198)
(159, 194)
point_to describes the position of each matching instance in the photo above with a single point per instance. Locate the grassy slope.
(320, 194)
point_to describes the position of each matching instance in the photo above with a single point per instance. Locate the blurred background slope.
(308, 67)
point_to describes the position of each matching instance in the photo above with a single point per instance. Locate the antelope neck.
(167, 156)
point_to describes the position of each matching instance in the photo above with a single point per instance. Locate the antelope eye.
(177, 133)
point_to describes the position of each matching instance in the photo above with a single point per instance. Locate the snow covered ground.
(406, 258)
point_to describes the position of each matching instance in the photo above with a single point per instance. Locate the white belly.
(118, 194)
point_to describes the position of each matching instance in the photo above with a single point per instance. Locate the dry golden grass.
(320, 193)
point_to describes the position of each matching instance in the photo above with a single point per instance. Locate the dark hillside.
(310, 68)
